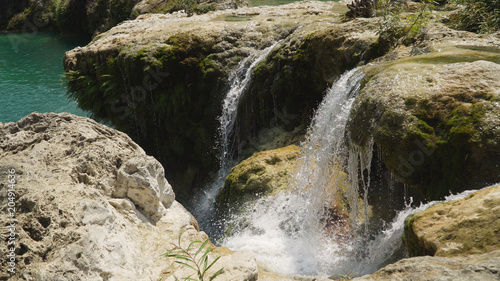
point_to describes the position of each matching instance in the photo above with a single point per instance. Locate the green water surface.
(31, 69)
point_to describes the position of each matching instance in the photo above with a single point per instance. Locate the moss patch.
(436, 133)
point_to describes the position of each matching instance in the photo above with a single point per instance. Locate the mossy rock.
(435, 124)
(288, 86)
(165, 96)
(263, 173)
(267, 173)
(93, 16)
(72, 16)
(458, 228)
(161, 79)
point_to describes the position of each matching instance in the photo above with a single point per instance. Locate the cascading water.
(240, 79)
(292, 232)
(320, 225)
(298, 231)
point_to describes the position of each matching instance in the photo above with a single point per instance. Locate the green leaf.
(185, 264)
(205, 255)
(216, 274)
(191, 244)
(201, 247)
(213, 263)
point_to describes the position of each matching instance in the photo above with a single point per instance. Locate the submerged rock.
(457, 228)
(91, 205)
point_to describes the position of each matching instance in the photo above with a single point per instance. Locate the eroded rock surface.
(91, 205)
(457, 228)
(474, 267)
(435, 119)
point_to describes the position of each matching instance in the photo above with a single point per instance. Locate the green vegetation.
(165, 97)
(482, 16)
(346, 276)
(397, 27)
(198, 262)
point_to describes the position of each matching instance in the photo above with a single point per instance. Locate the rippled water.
(31, 69)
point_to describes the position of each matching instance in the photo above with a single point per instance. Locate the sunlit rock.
(458, 228)
(473, 267)
(437, 126)
(91, 205)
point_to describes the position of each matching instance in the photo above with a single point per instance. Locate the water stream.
(292, 232)
(239, 81)
(303, 231)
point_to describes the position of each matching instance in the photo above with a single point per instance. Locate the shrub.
(396, 27)
(481, 16)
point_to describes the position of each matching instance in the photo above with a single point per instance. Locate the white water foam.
(289, 231)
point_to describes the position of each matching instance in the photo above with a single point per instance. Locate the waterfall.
(292, 232)
(239, 81)
(320, 225)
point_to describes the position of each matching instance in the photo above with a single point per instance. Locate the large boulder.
(262, 174)
(461, 237)
(434, 118)
(458, 228)
(82, 201)
(483, 267)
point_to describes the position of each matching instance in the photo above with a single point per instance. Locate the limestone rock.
(261, 174)
(485, 267)
(437, 127)
(457, 228)
(91, 205)
(143, 181)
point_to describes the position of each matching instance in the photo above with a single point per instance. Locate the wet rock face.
(435, 119)
(461, 237)
(459, 228)
(91, 205)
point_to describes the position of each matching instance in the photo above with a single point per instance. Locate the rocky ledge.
(91, 205)
(93, 16)
(460, 239)
(162, 78)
